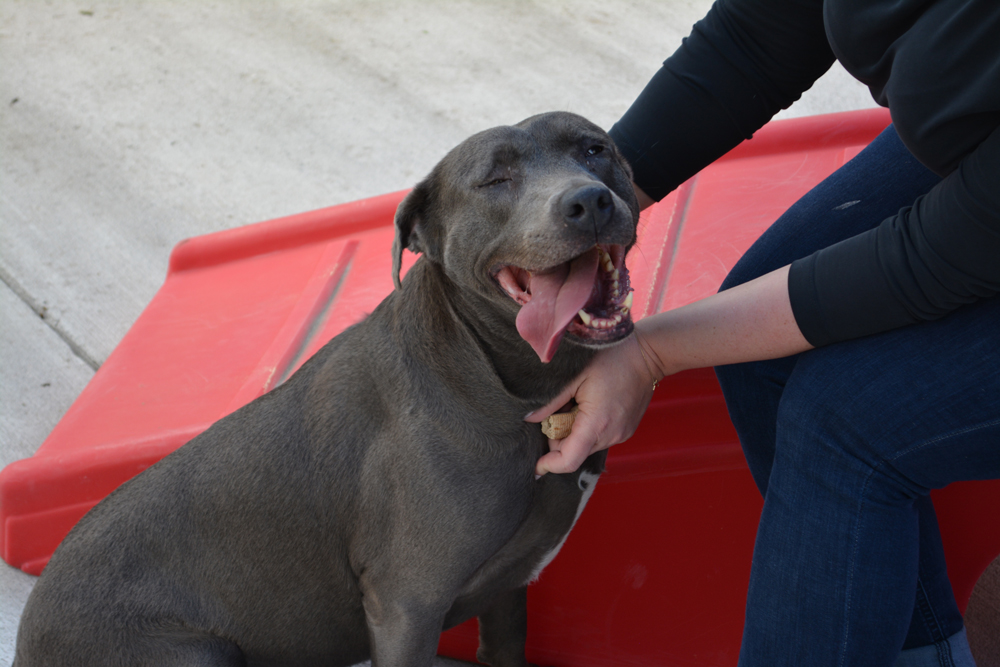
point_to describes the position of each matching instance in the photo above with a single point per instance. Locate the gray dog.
(387, 490)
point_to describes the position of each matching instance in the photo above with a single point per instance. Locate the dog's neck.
(523, 375)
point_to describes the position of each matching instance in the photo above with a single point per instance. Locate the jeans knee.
(745, 270)
(820, 415)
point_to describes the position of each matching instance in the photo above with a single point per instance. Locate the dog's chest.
(587, 483)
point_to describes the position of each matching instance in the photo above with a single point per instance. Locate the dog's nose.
(588, 208)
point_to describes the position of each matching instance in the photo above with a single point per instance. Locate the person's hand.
(613, 392)
(749, 322)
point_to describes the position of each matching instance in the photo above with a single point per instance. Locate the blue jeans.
(845, 443)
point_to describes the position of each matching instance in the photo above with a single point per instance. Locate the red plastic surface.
(655, 571)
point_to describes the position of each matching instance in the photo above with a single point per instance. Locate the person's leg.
(872, 186)
(865, 430)
(876, 184)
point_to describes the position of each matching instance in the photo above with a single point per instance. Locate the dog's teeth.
(618, 318)
(585, 316)
(627, 305)
(609, 266)
(614, 286)
(614, 276)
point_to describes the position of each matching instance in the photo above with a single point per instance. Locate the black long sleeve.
(919, 265)
(744, 62)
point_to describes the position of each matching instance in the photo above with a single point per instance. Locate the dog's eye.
(595, 150)
(495, 181)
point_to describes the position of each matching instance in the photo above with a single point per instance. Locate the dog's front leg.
(503, 630)
(403, 633)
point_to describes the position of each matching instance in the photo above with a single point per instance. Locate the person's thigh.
(865, 430)
(874, 185)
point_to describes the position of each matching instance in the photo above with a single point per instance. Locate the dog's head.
(537, 218)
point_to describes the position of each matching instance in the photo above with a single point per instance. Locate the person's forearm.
(750, 322)
(645, 201)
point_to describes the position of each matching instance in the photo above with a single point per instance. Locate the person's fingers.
(611, 398)
(542, 413)
(564, 460)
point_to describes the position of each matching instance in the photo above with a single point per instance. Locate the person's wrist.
(650, 360)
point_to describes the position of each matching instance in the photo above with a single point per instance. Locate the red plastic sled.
(656, 569)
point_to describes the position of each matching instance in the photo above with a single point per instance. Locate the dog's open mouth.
(588, 297)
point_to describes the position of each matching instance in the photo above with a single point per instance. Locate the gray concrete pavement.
(128, 126)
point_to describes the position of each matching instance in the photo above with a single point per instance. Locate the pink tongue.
(556, 297)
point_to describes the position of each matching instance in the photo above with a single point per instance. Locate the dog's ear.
(408, 214)
(411, 225)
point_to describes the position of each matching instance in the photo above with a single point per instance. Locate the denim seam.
(941, 644)
(925, 613)
(851, 567)
(945, 436)
(944, 653)
(858, 521)
(931, 623)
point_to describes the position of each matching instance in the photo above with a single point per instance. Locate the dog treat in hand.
(560, 424)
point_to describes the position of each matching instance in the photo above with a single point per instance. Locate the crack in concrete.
(42, 313)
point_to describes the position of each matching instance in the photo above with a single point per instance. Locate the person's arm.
(750, 322)
(645, 201)
(918, 265)
(741, 64)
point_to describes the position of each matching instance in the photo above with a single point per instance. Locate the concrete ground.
(126, 126)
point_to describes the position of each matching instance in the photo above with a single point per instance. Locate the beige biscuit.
(559, 425)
